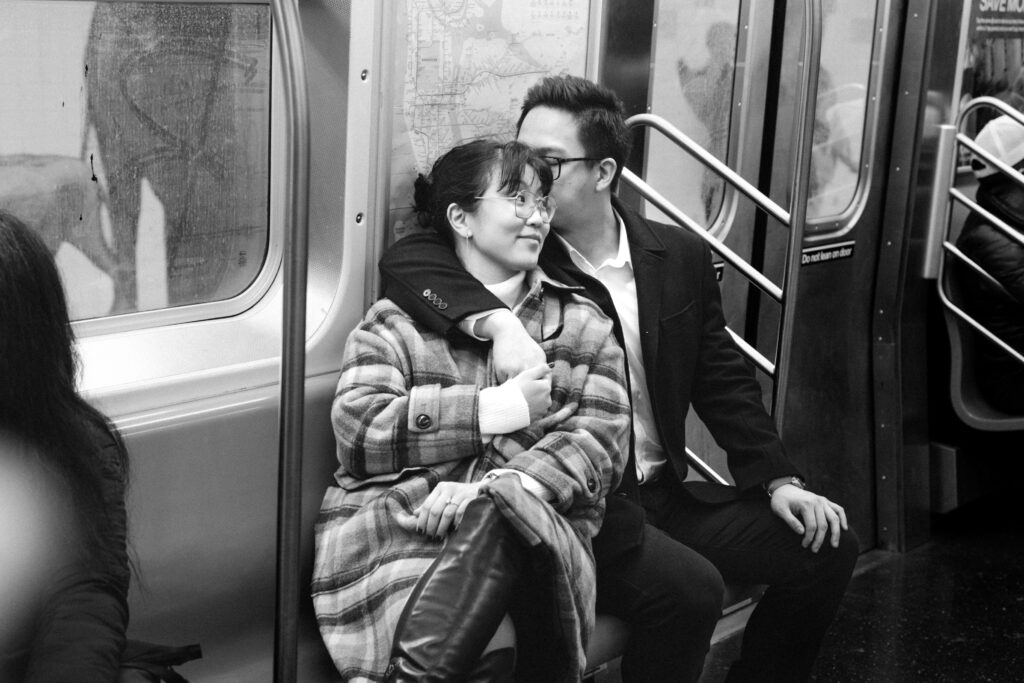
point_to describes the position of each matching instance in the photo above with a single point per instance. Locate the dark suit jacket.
(689, 358)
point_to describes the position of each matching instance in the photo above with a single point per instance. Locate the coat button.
(592, 485)
(423, 421)
(426, 293)
(442, 305)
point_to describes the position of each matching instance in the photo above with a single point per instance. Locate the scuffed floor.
(951, 610)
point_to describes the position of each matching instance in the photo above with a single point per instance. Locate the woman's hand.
(535, 383)
(443, 509)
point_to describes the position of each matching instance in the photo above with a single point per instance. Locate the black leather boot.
(459, 602)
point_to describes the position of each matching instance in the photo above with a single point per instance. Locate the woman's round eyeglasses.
(526, 203)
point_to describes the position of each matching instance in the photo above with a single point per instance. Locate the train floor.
(950, 610)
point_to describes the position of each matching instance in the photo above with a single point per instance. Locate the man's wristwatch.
(795, 481)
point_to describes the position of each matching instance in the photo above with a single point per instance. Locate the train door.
(727, 73)
(860, 338)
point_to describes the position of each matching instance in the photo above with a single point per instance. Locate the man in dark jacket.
(999, 250)
(665, 545)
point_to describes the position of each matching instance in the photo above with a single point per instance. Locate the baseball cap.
(1003, 138)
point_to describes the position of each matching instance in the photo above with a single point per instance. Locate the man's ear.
(605, 173)
(459, 220)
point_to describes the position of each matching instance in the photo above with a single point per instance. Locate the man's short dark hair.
(598, 111)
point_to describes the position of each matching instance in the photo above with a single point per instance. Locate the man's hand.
(514, 349)
(809, 514)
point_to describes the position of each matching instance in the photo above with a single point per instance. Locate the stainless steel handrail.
(999, 223)
(942, 279)
(793, 219)
(712, 162)
(658, 200)
(288, 30)
(966, 317)
(951, 248)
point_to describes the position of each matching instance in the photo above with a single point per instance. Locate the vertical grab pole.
(806, 104)
(288, 30)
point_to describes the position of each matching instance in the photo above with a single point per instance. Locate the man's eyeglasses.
(556, 163)
(526, 203)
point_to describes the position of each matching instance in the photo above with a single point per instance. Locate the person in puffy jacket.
(1001, 253)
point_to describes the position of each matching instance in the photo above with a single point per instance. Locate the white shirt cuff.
(502, 409)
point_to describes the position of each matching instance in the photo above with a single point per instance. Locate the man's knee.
(843, 557)
(847, 553)
(834, 566)
(694, 592)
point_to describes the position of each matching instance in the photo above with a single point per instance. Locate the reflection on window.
(993, 67)
(694, 61)
(135, 139)
(848, 30)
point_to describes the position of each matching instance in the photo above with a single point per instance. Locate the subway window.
(694, 64)
(993, 66)
(848, 32)
(135, 139)
(694, 53)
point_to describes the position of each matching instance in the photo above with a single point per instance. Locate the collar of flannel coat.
(542, 322)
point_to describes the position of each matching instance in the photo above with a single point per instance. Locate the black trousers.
(670, 589)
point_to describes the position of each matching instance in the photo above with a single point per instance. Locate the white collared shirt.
(616, 274)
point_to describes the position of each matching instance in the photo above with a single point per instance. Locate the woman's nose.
(535, 218)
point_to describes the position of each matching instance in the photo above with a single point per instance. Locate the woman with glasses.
(456, 545)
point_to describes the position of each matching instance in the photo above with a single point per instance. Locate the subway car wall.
(148, 143)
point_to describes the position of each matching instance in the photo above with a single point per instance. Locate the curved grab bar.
(734, 259)
(986, 101)
(963, 315)
(997, 222)
(794, 219)
(288, 29)
(1009, 231)
(766, 365)
(711, 161)
(973, 265)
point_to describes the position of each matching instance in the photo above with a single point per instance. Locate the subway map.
(462, 72)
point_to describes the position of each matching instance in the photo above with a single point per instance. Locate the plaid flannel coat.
(405, 418)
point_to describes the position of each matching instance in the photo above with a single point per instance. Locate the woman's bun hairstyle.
(464, 173)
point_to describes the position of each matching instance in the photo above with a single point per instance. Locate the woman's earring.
(469, 234)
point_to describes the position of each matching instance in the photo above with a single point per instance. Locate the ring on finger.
(450, 501)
